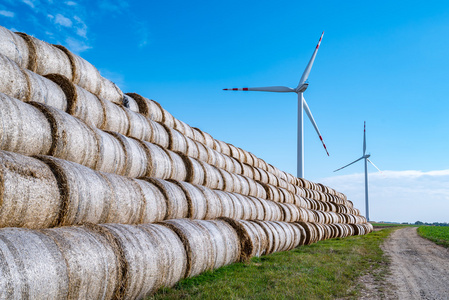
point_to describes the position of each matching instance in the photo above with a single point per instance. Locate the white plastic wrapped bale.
(14, 47)
(155, 209)
(177, 206)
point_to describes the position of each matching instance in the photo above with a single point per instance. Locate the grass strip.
(325, 270)
(437, 234)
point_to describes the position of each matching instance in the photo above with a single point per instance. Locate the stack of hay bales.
(107, 195)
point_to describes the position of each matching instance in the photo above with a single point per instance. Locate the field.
(437, 234)
(325, 270)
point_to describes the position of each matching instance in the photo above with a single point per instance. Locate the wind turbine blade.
(374, 165)
(278, 89)
(306, 73)
(309, 113)
(349, 164)
(364, 137)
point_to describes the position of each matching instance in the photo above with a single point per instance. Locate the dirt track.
(419, 269)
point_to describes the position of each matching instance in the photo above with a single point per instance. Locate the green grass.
(325, 270)
(386, 225)
(437, 234)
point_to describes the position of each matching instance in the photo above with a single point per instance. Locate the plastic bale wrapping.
(177, 205)
(72, 139)
(143, 275)
(31, 266)
(149, 108)
(171, 254)
(273, 234)
(160, 135)
(197, 243)
(220, 161)
(167, 118)
(13, 81)
(228, 180)
(127, 202)
(85, 194)
(257, 236)
(225, 242)
(192, 148)
(178, 142)
(249, 209)
(115, 118)
(111, 154)
(93, 268)
(259, 212)
(46, 59)
(188, 131)
(311, 235)
(198, 135)
(226, 203)
(84, 73)
(80, 103)
(155, 208)
(178, 167)
(195, 172)
(208, 140)
(214, 208)
(238, 206)
(197, 203)
(135, 156)
(212, 177)
(229, 164)
(43, 90)
(244, 238)
(272, 241)
(25, 129)
(110, 91)
(14, 47)
(29, 194)
(139, 127)
(159, 163)
(203, 153)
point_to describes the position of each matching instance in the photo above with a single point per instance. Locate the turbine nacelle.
(302, 88)
(366, 155)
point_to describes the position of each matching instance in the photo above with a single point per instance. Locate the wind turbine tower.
(366, 158)
(302, 105)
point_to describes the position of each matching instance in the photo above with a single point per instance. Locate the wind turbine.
(366, 158)
(302, 105)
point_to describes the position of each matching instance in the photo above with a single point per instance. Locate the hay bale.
(311, 235)
(13, 81)
(256, 240)
(204, 152)
(301, 234)
(159, 163)
(29, 194)
(195, 172)
(188, 131)
(244, 185)
(93, 268)
(139, 127)
(272, 241)
(198, 135)
(208, 140)
(167, 118)
(238, 206)
(252, 186)
(263, 175)
(226, 203)
(160, 135)
(287, 234)
(14, 47)
(111, 154)
(31, 266)
(170, 252)
(72, 139)
(25, 129)
(249, 208)
(224, 148)
(259, 212)
(178, 141)
(214, 207)
(85, 194)
(80, 103)
(229, 164)
(228, 180)
(149, 108)
(197, 242)
(192, 148)
(130, 103)
(135, 156)
(247, 171)
(143, 275)
(177, 205)
(261, 192)
(212, 176)
(234, 152)
(115, 118)
(178, 167)
(84, 73)
(45, 58)
(155, 209)
(219, 159)
(127, 202)
(225, 242)
(196, 201)
(217, 145)
(110, 91)
(43, 90)
(245, 242)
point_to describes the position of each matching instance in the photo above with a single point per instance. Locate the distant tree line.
(431, 224)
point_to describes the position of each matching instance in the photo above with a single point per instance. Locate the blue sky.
(383, 62)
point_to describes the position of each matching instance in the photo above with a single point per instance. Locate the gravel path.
(419, 268)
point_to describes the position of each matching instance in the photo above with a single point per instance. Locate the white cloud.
(402, 196)
(76, 46)
(7, 13)
(29, 2)
(63, 21)
(82, 29)
(71, 3)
